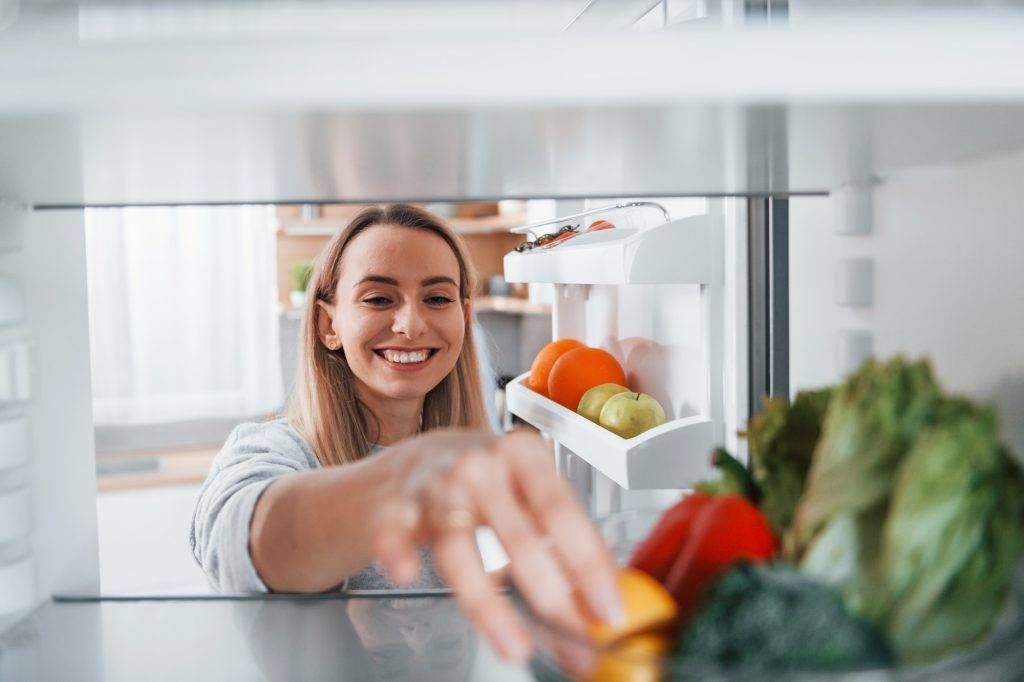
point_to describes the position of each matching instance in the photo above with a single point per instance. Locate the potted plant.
(300, 275)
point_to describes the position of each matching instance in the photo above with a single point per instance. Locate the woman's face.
(397, 311)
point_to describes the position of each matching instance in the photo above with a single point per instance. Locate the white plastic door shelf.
(674, 455)
(680, 252)
(677, 252)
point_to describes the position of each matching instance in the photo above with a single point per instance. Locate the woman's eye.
(439, 300)
(377, 300)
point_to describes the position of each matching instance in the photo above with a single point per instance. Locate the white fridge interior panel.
(17, 586)
(58, 65)
(15, 441)
(16, 511)
(12, 304)
(50, 267)
(114, 21)
(853, 209)
(948, 283)
(277, 114)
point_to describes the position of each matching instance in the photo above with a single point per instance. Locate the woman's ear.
(467, 309)
(325, 326)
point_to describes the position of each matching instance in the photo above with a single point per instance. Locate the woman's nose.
(408, 321)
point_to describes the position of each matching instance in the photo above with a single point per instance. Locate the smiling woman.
(383, 469)
(395, 282)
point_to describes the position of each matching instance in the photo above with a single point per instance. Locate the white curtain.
(183, 313)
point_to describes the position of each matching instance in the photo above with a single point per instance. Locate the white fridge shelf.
(676, 454)
(884, 93)
(676, 252)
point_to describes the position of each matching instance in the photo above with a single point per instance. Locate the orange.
(637, 658)
(578, 371)
(648, 607)
(538, 379)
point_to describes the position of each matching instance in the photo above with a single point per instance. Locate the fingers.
(451, 520)
(574, 539)
(508, 483)
(538, 576)
(573, 655)
(458, 562)
(447, 504)
(394, 541)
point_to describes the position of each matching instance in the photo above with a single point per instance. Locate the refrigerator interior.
(923, 263)
(899, 176)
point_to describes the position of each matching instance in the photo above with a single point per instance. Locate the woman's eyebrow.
(379, 278)
(439, 279)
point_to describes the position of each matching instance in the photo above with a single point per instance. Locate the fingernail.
(607, 603)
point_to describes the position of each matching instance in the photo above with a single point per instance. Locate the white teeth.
(400, 357)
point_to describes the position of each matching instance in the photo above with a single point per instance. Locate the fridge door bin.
(675, 455)
(633, 215)
(676, 252)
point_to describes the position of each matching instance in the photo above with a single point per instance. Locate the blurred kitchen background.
(194, 315)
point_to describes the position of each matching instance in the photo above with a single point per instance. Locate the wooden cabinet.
(301, 238)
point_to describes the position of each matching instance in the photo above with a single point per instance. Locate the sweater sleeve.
(253, 456)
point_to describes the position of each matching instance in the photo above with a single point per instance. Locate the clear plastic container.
(999, 657)
(631, 216)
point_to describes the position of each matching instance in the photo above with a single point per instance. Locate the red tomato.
(600, 225)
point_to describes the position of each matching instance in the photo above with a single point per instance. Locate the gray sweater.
(253, 456)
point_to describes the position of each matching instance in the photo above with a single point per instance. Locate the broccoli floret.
(770, 619)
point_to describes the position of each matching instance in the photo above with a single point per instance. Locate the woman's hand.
(453, 482)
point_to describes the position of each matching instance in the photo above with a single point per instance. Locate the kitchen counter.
(418, 638)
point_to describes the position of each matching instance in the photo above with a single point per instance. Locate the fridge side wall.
(47, 390)
(930, 264)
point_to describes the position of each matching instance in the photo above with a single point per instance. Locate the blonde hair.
(323, 406)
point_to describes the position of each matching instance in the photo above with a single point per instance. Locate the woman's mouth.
(405, 360)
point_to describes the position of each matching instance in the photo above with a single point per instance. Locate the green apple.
(594, 399)
(630, 414)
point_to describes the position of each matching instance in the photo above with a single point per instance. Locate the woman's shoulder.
(275, 438)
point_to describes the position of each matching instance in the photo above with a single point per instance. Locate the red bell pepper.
(726, 530)
(658, 551)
